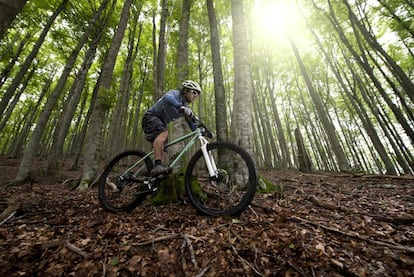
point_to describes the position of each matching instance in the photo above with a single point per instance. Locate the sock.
(157, 162)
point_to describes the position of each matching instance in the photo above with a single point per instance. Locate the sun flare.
(272, 19)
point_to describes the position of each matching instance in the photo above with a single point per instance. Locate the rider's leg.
(159, 142)
(160, 155)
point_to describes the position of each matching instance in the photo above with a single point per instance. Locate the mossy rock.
(264, 185)
(172, 190)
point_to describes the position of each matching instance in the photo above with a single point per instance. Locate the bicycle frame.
(211, 165)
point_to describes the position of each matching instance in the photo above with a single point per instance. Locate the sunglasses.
(196, 93)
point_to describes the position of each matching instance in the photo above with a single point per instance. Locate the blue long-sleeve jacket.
(167, 107)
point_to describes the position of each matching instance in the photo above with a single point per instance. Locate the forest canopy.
(314, 85)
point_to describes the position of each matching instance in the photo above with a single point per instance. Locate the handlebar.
(199, 124)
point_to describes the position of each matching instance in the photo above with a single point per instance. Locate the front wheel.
(232, 188)
(121, 186)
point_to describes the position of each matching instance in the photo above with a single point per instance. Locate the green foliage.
(171, 190)
(266, 186)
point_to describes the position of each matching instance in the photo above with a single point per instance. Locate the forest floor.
(321, 224)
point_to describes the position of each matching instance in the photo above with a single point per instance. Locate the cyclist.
(170, 106)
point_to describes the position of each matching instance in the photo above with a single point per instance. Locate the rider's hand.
(186, 110)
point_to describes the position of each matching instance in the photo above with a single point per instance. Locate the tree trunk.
(241, 125)
(159, 58)
(26, 163)
(328, 126)
(117, 130)
(29, 59)
(303, 157)
(75, 92)
(8, 11)
(179, 127)
(93, 140)
(220, 96)
(400, 75)
(6, 71)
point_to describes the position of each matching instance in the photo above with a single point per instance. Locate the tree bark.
(219, 91)
(29, 59)
(8, 11)
(75, 91)
(241, 124)
(159, 61)
(328, 126)
(93, 139)
(303, 157)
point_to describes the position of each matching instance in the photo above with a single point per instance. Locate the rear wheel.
(231, 190)
(121, 186)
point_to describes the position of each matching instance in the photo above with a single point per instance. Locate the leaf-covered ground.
(320, 225)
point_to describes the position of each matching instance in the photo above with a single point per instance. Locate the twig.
(104, 261)
(207, 268)
(190, 247)
(245, 261)
(356, 236)
(250, 208)
(66, 243)
(76, 249)
(344, 270)
(203, 271)
(7, 218)
(151, 241)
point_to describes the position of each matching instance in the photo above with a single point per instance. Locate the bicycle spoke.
(232, 188)
(121, 186)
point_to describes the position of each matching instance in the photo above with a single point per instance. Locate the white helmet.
(190, 85)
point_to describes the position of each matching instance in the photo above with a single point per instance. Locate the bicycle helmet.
(190, 85)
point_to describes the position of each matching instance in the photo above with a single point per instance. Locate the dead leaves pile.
(320, 225)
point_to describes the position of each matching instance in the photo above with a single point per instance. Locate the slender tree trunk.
(179, 127)
(26, 163)
(303, 157)
(328, 126)
(400, 75)
(29, 59)
(220, 96)
(18, 142)
(75, 91)
(117, 131)
(8, 11)
(7, 114)
(6, 71)
(103, 103)
(159, 62)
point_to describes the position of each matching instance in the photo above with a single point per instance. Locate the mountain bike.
(220, 178)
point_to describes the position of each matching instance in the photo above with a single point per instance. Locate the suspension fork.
(208, 157)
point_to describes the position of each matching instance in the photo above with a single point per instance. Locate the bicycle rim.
(121, 185)
(231, 190)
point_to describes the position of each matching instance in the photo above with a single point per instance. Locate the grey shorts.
(152, 126)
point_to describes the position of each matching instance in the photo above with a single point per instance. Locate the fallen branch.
(66, 243)
(331, 206)
(9, 211)
(158, 239)
(76, 249)
(245, 261)
(162, 238)
(190, 247)
(344, 270)
(7, 218)
(357, 236)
